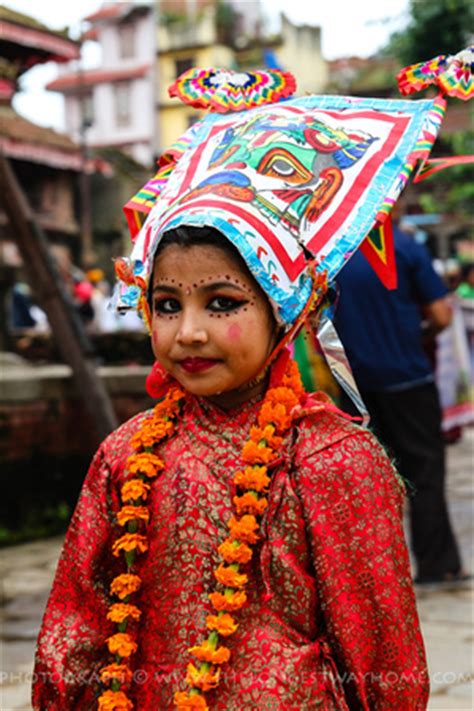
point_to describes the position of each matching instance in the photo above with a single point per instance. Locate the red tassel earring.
(158, 381)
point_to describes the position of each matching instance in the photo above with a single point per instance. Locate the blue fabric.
(270, 60)
(381, 329)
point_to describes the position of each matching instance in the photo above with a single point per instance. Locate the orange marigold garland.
(142, 466)
(258, 454)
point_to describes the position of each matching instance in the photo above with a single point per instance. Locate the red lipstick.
(197, 365)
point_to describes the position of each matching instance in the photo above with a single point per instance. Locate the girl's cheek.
(234, 332)
(155, 337)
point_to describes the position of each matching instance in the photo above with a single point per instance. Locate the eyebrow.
(208, 287)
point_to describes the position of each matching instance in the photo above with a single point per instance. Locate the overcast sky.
(367, 25)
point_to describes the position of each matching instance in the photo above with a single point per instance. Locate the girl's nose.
(190, 330)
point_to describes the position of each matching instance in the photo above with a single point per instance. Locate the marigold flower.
(114, 701)
(119, 612)
(252, 478)
(134, 489)
(244, 529)
(228, 603)
(295, 384)
(253, 454)
(121, 644)
(292, 379)
(184, 702)
(145, 463)
(174, 395)
(250, 503)
(125, 585)
(230, 577)
(282, 396)
(204, 680)
(135, 440)
(165, 411)
(132, 513)
(224, 624)
(205, 653)
(234, 554)
(169, 406)
(121, 672)
(130, 542)
(276, 414)
(161, 428)
(151, 433)
(266, 434)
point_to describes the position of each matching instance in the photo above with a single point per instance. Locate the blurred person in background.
(75, 281)
(452, 358)
(465, 293)
(104, 319)
(465, 289)
(382, 331)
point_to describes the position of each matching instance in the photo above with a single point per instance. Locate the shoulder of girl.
(117, 444)
(321, 425)
(325, 436)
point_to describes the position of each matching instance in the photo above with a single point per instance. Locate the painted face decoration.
(212, 331)
(309, 176)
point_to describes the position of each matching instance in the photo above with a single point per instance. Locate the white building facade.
(113, 105)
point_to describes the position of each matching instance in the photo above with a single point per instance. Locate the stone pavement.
(446, 618)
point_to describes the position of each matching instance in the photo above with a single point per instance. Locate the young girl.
(241, 545)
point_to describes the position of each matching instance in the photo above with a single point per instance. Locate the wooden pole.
(57, 303)
(87, 253)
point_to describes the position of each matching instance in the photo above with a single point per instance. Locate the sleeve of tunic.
(71, 642)
(353, 504)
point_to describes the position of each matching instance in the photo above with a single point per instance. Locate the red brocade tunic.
(330, 622)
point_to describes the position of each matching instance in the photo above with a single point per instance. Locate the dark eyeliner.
(160, 303)
(233, 304)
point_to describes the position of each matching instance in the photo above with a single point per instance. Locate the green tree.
(435, 27)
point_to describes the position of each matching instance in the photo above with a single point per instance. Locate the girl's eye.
(224, 303)
(167, 306)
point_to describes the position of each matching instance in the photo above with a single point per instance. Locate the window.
(127, 40)
(87, 109)
(182, 65)
(122, 103)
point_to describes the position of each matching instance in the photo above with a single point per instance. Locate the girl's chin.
(225, 394)
(221, 388)
(201, 386)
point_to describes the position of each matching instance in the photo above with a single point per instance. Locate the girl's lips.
(196, 365)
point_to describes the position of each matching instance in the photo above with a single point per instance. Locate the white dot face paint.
(212, 329)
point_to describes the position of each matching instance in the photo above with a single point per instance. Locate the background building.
(45, 162)
(113, 105)
(125, 103)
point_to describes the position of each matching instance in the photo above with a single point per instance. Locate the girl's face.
(212, 324)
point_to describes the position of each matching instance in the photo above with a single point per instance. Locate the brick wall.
(54, 427)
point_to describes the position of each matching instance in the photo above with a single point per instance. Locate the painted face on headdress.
(289, 171)
(307, 177)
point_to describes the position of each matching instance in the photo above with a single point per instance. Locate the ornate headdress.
(296, 184)
(291, 182)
